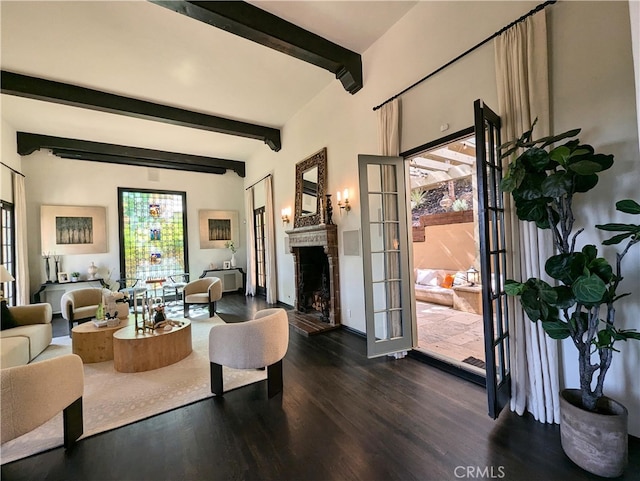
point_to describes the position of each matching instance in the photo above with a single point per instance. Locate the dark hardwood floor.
(341, 417)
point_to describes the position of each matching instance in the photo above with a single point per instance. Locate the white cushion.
(429, 277)
(460, 278)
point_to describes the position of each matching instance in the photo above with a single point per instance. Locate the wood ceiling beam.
(125, 155)
(252, 23)
(73, 95)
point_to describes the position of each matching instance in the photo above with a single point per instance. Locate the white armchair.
(253, 344)
(80, 305)
(206, 290)
(34, 393)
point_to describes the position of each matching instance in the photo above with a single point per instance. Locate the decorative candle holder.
(328, 210)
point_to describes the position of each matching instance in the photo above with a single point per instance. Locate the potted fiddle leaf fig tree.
(579, 303)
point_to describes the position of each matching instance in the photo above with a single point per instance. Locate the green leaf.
(560, 155)
(604, 339)
(531, 181)
(590, 251)
(535, 159)
(602, 269)
(556, 185)
(552, 139)
(628, 206)
(564, 297)
(548, 295)
(548, 312)
(616, 239)
(513, 288)
(556, 329)
(585, 167)
(589, 289)
(584, 183)
(531, 210)
(530, 304)
(566, 267)
(627, 334)
(619, 227)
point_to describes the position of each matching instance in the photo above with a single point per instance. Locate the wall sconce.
(344, 205)
(473, 276)
(286, 214)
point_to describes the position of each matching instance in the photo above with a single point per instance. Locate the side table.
(94, 344)
(468, 299)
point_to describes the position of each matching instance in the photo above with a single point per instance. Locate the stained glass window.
(153, 233)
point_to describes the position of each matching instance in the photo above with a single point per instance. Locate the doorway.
(260, 260)
(446, 253)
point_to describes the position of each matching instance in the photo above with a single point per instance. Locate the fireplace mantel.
(315, 235)
(325, 236)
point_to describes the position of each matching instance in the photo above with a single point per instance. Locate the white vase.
(92, 271)
(233, 260)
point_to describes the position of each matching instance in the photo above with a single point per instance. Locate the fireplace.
(317, 280)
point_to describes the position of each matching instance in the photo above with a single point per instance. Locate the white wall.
(54, 181)
(592, 87)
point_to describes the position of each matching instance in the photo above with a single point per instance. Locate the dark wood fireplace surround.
(325, 236)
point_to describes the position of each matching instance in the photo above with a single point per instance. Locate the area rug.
(113, 399)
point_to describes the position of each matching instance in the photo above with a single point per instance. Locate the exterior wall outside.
(450, 247)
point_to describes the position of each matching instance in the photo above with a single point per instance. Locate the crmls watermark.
(479, 472)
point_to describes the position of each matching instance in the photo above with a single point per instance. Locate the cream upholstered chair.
(81, 305)
(34, 393)
(206, 290)
(253, 344)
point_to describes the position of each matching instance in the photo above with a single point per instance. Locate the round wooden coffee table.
(94, 344)
(137, 351)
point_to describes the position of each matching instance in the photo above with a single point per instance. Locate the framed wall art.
(217, 227)
(67, 229)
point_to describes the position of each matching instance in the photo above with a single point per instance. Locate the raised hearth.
(317, 279)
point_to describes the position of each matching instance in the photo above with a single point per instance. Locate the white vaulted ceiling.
(142, 50)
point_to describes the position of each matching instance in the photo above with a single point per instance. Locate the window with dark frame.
(7, 248)
(153, 234)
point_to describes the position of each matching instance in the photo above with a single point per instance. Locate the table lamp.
(5, 276)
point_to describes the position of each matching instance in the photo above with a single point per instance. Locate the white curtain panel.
(251, 243)
(389, 128)
(389, 144)
(270, 244)
(22, 259)
(523, 95)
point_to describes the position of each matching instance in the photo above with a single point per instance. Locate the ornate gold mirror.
(311, 176)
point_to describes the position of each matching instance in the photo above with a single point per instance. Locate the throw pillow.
(460, 279)
(427, 277)
(6, 318)
(448, 281)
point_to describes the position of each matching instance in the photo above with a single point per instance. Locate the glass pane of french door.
(261, 279)
(492, 258)
(389, 322)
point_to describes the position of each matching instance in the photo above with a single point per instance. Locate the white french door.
(388, 291)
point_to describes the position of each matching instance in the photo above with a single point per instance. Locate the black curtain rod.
(499, 32)
(258, 181)
(13, 170)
